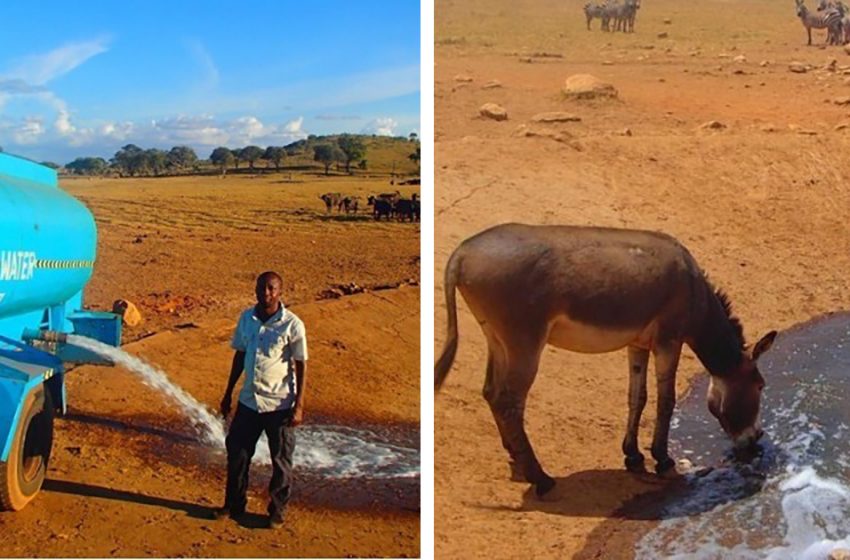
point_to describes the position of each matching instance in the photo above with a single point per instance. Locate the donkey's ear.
(764, 344)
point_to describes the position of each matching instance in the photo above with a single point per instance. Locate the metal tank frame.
(48, 242)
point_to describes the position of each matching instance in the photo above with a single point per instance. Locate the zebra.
(592, 11)
(625, 18)
(610, 10)
(829, 19)
(844, 11)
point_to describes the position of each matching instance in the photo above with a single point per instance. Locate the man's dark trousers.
(241, 441)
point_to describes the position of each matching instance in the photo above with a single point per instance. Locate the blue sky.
(87, 77)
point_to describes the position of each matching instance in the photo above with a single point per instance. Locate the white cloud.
(63, 123)
(205, 61)
(116, 131)
(382, 126)
(75, 136)
(202, 132)
(205, 130)
(29, 131)
(294, 127)
(42, 68)
(245, 129)
(188, 130)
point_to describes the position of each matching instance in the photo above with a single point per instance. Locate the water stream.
(328, 451)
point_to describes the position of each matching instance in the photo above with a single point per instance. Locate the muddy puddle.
(792, 501)
(339, 467)
(356, 465)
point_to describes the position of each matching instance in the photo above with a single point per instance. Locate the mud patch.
(158, 442)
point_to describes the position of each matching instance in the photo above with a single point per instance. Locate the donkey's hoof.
(544, 486)
(636, 463)
(665, 467)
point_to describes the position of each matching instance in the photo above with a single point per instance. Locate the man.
(271, 348)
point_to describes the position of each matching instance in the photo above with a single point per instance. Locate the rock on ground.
(798, 67)
(555, 117)
(712, 125)
(585, 86)
(493, 111)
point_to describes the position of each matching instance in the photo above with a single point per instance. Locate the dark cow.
(407, 209)
(392, 198)
(331, 200)
(380, 207)
(403, 209)
(415, 208)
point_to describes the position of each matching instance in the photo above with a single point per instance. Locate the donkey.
(594, 290)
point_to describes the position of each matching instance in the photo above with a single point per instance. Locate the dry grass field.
(762, 202)
(127, 476)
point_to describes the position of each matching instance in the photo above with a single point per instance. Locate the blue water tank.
(47, 248)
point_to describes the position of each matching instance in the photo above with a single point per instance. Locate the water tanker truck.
(47, 252)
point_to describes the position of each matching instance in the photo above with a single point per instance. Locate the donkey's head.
(735, 397)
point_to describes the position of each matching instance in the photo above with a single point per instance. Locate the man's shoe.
(224, 511)
(275, 521)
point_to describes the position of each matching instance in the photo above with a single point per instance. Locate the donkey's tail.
(444, 363)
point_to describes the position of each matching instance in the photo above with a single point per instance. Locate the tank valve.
(45, 335)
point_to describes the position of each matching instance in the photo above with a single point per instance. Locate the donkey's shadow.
(624, 495)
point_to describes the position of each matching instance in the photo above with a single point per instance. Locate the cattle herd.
(622, 15)
(832, 15)
(385, 205)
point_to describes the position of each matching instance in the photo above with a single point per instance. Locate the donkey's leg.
(666, 362)
(511, 383)
(490, 395)
(638, 360)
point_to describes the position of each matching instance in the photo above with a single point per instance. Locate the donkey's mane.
(733, 320)
(726, 303)
(719, 342)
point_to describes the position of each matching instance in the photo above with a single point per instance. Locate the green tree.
(237, 156)
(130, 160)
(251, 154)
(353, 148)
(222, 157)
(50, 164)
(181, 158)
(327, 154)
(87, 166)
(275, 154)
(156, 161)
(413, 137)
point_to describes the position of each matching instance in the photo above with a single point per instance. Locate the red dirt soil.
(762, 204)
(127, 476)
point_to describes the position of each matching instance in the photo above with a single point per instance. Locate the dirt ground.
(762, 203)
(127, 476)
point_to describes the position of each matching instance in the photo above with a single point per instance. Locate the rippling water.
(792, 501)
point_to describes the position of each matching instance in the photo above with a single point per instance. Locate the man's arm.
(300, 386)
(236, 369)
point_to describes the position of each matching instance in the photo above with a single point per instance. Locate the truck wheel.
(22, 475)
